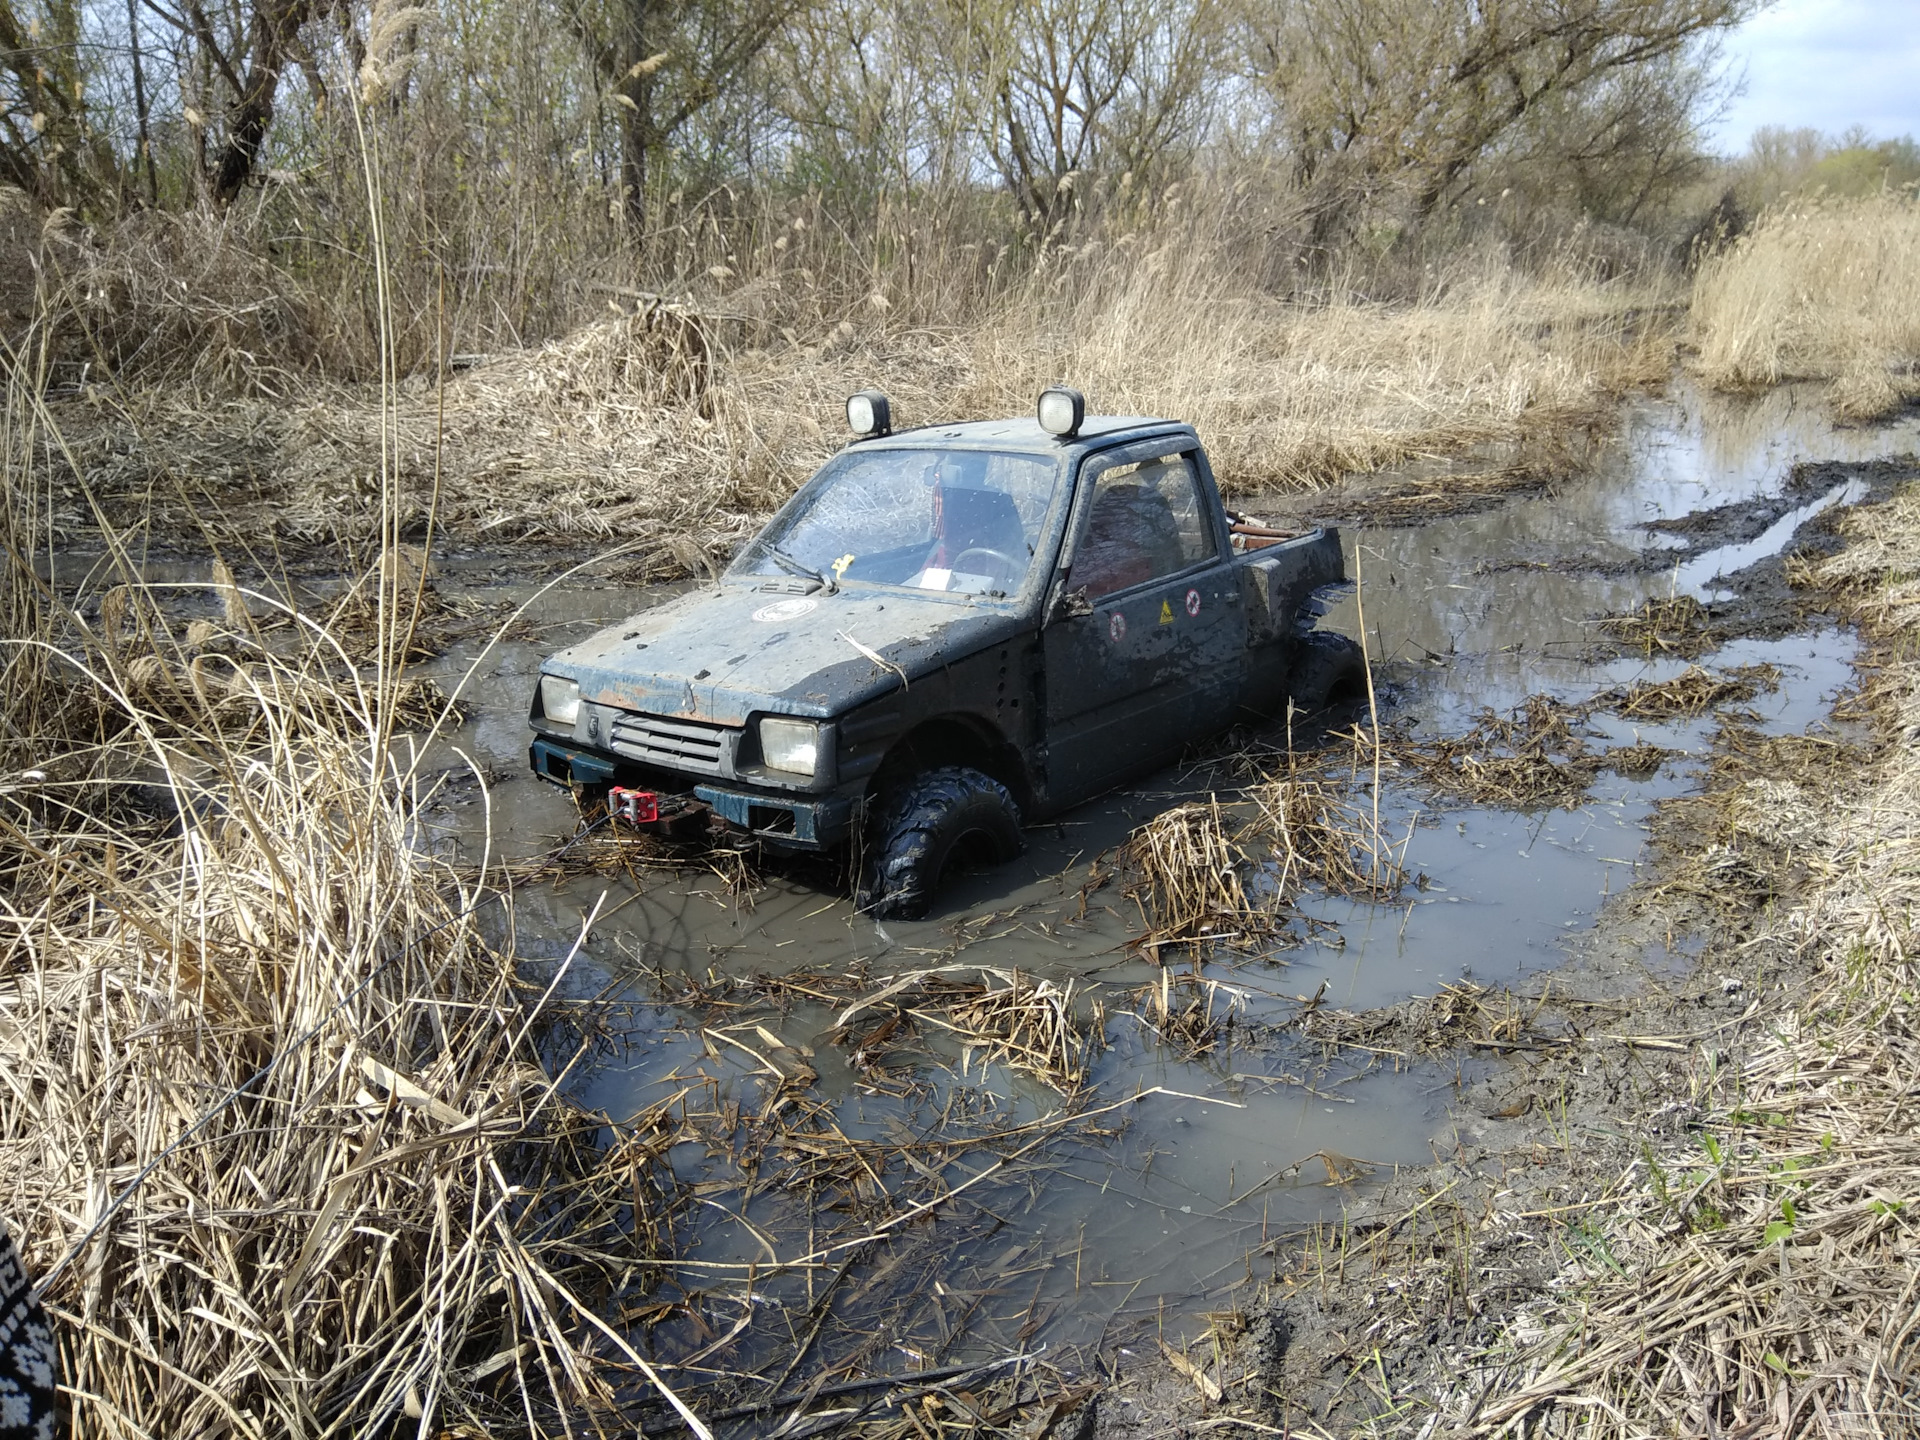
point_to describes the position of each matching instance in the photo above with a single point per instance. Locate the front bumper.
(775, 817)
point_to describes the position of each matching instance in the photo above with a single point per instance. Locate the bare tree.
(663, 62)
(1067, 87)
(49, 144)
(1407, 96)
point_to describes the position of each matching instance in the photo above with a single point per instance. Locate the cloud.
(1828, 64)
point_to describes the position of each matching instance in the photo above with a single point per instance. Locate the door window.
(1144, 521)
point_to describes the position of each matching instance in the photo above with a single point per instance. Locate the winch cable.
(227, 1101)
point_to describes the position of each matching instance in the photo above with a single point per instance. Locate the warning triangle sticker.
(1166, 612)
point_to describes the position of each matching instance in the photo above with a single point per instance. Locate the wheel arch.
(955, 739)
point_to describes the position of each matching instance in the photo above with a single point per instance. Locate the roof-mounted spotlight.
(1062, 409)
(868, 415)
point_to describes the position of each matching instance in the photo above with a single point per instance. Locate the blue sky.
(1828, 64)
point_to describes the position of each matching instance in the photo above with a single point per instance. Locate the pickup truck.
(947, 633)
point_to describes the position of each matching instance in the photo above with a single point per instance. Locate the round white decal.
(1117, 626)
(784, 610)
(1193, 602)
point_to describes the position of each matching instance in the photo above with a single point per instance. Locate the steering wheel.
(1010, 569)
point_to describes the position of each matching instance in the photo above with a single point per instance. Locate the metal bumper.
(564, 765)
(795, 821)
(780, 819)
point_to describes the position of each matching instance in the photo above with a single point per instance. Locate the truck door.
(1153, 659)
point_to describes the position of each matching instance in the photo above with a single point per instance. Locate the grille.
(674, 744)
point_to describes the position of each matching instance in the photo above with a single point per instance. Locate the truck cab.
(946, 633)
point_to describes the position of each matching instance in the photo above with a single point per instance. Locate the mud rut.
(1005, 1155)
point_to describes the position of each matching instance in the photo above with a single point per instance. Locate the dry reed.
(681, 421)
(1317, 836)
(1692, 692)
(1818, 289)
(1531, 757)
(276, 1120)
(266, 1086)
(1677, 625)
(1184, 871)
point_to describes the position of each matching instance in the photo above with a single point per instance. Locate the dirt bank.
(1665, 1132)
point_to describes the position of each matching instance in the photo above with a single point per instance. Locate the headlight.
(559, 699)
(867, 414)
(790, 745)
(1062, 409)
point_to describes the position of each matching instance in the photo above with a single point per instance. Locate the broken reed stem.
(1373, 707)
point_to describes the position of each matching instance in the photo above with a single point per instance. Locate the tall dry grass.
(686, 419)
(277, 1129)
(1819, 289)
(683, 424)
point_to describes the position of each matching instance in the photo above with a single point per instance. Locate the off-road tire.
(918, 828)
(1328, 669)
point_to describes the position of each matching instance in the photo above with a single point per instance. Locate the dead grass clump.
(1818, 289)
(1638, 761)
(1462, 1014)
(1531, 757)
(1029, 1025)
(1188, 1012)
(1184, 870)
(1315, 833)
(1725, 877)
(1677, 625)
(1877, 574)
(1693, 692)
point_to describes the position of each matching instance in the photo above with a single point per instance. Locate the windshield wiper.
(793, 567)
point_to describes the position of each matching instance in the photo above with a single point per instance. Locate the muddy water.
(1102, 1241)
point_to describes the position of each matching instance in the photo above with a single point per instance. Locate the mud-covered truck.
(947, 633)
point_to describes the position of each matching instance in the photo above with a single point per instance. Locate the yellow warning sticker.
(1166, 612)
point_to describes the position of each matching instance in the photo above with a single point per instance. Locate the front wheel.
(944, 816)
(1328, 669)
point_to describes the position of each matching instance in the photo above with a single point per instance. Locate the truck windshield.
(954, 520)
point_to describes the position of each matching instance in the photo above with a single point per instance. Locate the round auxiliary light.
(867, 414)
(1062, 409)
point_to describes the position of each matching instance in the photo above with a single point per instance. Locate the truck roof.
(1024, 433)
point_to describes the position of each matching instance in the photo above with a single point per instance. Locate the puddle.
(1107, 1238)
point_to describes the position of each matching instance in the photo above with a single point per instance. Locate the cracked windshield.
(908, 723)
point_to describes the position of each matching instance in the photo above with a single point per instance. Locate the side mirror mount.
(1065, 604)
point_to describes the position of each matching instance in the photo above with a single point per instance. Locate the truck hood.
(721, 656)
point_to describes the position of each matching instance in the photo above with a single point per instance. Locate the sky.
(1828, 64)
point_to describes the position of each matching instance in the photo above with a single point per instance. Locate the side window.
(1144, 521)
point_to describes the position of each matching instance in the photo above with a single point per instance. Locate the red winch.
(636, 807)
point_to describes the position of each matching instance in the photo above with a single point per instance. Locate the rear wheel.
(1328, 669)
(946, 817)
